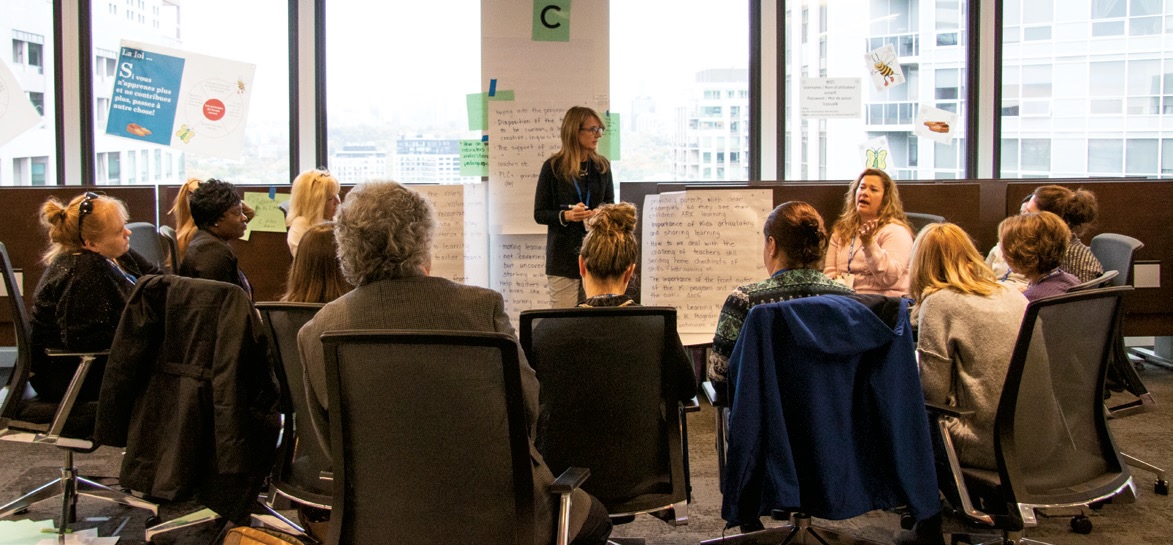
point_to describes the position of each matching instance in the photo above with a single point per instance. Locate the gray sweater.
(965, 343)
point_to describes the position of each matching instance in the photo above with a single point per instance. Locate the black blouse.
(554, 195)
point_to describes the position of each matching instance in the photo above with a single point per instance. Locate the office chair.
(171, 240)
(827, 418)
(66, 424)
(1117, 252)
(1101, 281)
(610, 402)
(145, 239)
(430, 442)
(303, 454)
(190, 365)
(919, 220)
(1051, 437)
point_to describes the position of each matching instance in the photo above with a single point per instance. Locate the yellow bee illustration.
(239, 85)
(185, 134)
(876, 158)
(883, 66)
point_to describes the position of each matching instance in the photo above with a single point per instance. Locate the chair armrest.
(566, 483)
(65, 407)
(569, 480)
(690, 405)
(945, 410)
(60, 353)
(715, 393)
(327, 476)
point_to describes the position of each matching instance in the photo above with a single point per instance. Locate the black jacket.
(190, 391)
(212, 258)
(554, 195)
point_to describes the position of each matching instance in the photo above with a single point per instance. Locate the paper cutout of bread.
(137, 130)
(937, 126)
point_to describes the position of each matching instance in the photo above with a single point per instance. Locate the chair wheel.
(1081, 524)
(152, 521)
(906, 521)
(1161, 487)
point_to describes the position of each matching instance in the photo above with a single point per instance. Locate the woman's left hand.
(866, 230)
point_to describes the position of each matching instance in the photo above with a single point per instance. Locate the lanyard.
(851, 253)
(586, 201)
(778, 273)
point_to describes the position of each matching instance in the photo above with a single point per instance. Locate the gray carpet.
(1148, 436)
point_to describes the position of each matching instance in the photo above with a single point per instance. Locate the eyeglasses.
(84, 209)
(597, 130)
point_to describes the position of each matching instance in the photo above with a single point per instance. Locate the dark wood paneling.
(25, 239)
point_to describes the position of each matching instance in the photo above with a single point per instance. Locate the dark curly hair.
(211, 200)
(797, 229)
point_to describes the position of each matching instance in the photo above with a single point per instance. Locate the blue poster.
(145, 98)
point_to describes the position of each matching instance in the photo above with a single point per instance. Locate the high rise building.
(712, 138)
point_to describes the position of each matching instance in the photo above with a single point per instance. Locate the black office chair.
(429, 440)
(145, 239)
(303, 455)
(919, 220)
(66, 424)
(1117, 253)
(827, 418)
(1051, 436)
(609, 402)
(171, 241)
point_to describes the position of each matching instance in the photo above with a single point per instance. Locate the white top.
(297, 229)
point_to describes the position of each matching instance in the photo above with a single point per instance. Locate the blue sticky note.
(492, 87)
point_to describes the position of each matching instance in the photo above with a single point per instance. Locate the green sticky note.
(609, 142)
(474, 158)
(269, 217)
(502, 95)
(551, 21)
(478, 112)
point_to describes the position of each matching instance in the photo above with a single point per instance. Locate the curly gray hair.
(384, 231)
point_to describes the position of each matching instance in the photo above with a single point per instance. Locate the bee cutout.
(877, 158)
(883, 67)
(185, 134)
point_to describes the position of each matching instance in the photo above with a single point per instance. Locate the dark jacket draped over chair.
(827, 413)
(190, 391)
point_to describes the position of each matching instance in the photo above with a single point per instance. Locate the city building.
(711, 140)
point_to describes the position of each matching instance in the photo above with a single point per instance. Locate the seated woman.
(1078, 209)
(218, 214)
(1034, 245)
(968, 326)
(607, 262)
(385, 232)
(314, 199)
(871, 240)
(315, 276)
(997, 261)
(79, 299)
(185, 228)
(794, 243)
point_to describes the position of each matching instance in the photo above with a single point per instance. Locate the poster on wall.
(17, 114)
(191, 102)
(883, 67)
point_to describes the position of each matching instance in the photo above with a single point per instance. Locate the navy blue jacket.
(827, 415)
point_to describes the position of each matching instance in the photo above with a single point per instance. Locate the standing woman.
(314, 200)
(871, 242)
(573, 183)
(79, 299)
(219, 216)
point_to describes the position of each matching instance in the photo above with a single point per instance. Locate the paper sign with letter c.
(551, 21)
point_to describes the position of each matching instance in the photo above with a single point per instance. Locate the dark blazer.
(190, 391)
(426, 302)
(76, 306)
(211, 258)
(552, 194)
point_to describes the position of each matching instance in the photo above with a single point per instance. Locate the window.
(38, 100)
(38, 165)
(702, 89)
(1105, 156)
(256, 33)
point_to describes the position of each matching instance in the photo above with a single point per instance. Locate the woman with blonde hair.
(314, 200)
(572, 184)
(968, 326)
(315, 276)
(185, 228)
(1035, 245)
(871, 240)
(78, 301)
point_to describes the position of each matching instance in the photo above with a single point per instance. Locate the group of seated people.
(368, 257)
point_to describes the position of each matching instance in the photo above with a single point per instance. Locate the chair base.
(798, 532)
(1160, 485)
(1010, 538)
(69, 486)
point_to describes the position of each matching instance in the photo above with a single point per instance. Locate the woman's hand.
(578, 212)
(866, 230)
